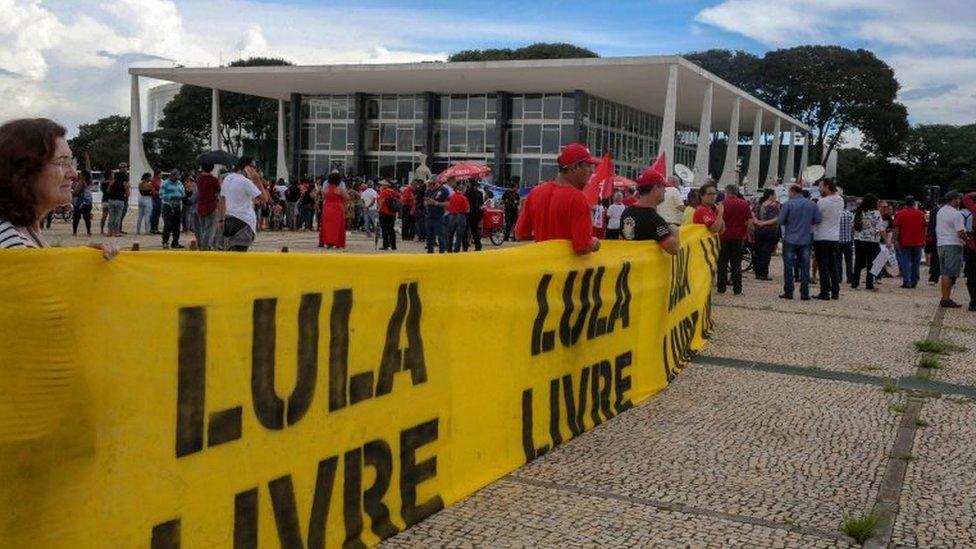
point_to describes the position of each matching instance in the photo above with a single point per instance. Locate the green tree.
(830, 88)
(539, 50)
(167, 148)
(739, 68)
(833, 90)
(105, 141)
(942, 154)
(241, 115)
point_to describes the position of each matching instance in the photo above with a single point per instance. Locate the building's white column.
(772, 172)
(752, 182)
(789, 169)
(138, 164)
(704, 138)
(805, 153)
(215, 120)
(732, 150)
(282, 163)
(667, 128)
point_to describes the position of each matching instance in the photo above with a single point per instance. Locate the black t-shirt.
(643, 223)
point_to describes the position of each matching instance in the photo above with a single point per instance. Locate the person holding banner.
(36, 172)
(641, 221)
(558, 210)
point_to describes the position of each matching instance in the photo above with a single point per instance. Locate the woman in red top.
(332, 232)
(390, 202)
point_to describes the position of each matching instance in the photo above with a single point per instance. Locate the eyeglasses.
(64, 163)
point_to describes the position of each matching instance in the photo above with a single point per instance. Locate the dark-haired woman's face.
(54, 182)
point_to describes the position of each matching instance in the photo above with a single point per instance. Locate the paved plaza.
(796, 416)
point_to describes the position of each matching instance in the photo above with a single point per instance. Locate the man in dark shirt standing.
(511, 201)
(476, 202)
(737, 215)
(640, 221)
(435, 201)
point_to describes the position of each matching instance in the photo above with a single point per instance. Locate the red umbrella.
(464, 170)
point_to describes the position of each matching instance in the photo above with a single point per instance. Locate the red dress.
(333, 230)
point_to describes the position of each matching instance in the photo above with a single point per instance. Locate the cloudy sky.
(67, 59)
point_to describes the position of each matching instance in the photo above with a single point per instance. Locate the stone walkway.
(798, 415)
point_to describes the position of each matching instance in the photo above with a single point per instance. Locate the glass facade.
(464, 127)
(327, 138)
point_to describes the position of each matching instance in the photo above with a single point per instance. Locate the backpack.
(394, 204)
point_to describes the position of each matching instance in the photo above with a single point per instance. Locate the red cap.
(573, 153)
(654, 175)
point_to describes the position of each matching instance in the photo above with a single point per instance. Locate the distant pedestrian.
(208, 192)
(476, 204)
(457, 218)
(238, 196)
(826, 239)
(81, 202)
(510, 203)
(333, 231)
(969, 251)
(436, 201)
(737, 216)
(951, 238)
(614, 211)
(797, 218)
(144, 217)
(846, 245)
(370, 209)
(389, 202)
(673, 207)
(765, 233)
(909, 235)
(868, 233)
(157, 204)
(171, 195)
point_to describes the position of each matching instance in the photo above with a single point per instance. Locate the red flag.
(600, 184)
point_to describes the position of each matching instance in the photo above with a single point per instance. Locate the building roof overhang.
(638, 82)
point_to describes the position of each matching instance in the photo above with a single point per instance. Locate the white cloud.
(929, 44)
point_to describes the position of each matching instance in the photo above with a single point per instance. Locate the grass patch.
(937, 347)
(923, 375)
(930, 362)
(899, 407)
(889, 387)
(860, 528)
(921, 423)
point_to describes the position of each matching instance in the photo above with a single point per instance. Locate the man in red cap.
(558, 210)
(642, 221)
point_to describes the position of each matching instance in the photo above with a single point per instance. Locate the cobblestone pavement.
(732, 457)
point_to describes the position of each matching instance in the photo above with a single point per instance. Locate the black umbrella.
(223, 158)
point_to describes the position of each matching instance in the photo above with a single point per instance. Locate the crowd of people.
(823, 239)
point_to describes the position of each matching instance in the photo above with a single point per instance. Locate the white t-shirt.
(369, 199)
(671, 207)
(947, 224)
(281, 190)
(613, 215)
(596, 214)
(830, 209)
(239, 194)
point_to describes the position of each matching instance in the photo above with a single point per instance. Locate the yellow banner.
(264, 400)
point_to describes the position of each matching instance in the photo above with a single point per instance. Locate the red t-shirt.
(386, 194)
(408, 198)
(911, 227)
(458, 203)
(208, 191)
(556, 211)
(736, 214)
(704, 215)
(629, 200)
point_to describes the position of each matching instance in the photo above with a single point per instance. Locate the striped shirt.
(12, 236)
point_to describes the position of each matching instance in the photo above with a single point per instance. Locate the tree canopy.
(830, 88)
(105, 141)
(188, 115)
(539, 50)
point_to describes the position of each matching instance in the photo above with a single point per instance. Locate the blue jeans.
(372, 221)
(798, 255)
(909, 260)
(435, 233)
(455, 231)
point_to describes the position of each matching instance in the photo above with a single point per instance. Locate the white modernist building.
(156, 101)
(382, 120)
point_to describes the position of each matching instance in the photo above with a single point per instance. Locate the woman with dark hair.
(868, 234)
(36, 169)
(766, 232)
(332, 231)
(118, 192)
(694, 200)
